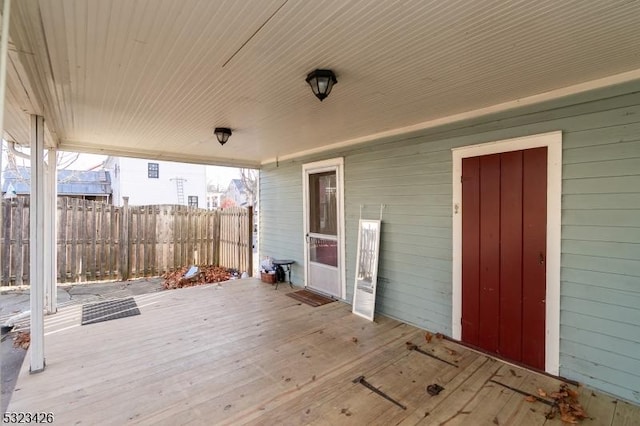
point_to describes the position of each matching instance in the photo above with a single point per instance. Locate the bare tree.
(249, 179)
(65, 160)
(19, 156)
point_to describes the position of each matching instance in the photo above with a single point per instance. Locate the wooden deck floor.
(243, 353)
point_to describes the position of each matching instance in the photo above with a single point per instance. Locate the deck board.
(244, 353)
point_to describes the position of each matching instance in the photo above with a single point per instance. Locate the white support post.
(37, 239)
(50, 247)
(4, 58)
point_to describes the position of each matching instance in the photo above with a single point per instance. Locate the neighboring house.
(149, 182)
(237, 193)
(85, 184)
(214, 200)
(516, 233)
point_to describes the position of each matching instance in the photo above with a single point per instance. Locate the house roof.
(151, 80)
(239, 185)
(70, 182)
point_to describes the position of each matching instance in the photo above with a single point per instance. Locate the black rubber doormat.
(310, 298)
(109, 310)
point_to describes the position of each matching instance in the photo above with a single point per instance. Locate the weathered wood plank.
(6, 241)
(174, 233)
(78, 235)
(625, 414)
(113, 237)
(454, 406)
(151, 241)
(104, 235)
(601, 409)
(20, 263)
(139, 243)
(146, 240)
(92, 237)
(62, 208)
(154, 270)
(133, 241)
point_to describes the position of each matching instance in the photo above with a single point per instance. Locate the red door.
(504, 222)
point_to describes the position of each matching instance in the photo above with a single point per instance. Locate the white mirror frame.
(364, 299)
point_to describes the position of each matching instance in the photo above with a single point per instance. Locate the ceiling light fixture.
(222, 133)
(321, 82)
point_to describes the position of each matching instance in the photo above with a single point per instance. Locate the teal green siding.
(280, 216)
(600, 304)
(411, 175)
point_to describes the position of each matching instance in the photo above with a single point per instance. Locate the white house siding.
(411, 175)
(132, 181)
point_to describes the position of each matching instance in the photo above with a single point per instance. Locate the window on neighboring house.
(153, 170)
(193, 201)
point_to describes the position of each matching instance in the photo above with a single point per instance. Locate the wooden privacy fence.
(236, 244)
(98, 241)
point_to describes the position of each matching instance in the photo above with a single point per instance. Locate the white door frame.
(553, 142)
(332, 164)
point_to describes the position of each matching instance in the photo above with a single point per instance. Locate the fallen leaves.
(22, 340)
(542, 393)
(411, 346)
(206, 275)
(566, 404)
(530, 398)
(450, 351)
(428, 336)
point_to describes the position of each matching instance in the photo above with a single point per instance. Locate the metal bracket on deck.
(363, 382)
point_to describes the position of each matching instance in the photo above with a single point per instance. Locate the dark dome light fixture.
(321, 82)
(222, 133)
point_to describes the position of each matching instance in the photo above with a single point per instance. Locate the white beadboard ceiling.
(152, 78)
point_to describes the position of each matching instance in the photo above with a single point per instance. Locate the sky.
(217, 175)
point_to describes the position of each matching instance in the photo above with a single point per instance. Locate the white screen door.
(323, 227)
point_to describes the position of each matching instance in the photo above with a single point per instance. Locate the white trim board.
(336, 164)
(553, 142)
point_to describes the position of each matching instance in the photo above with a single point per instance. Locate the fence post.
(216, 238)
(6, 241)
(124, 241)
(250, 242)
